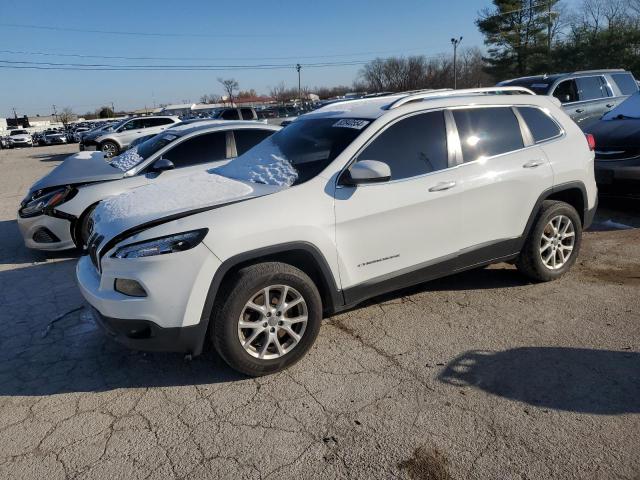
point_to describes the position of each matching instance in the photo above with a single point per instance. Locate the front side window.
(591, 88)
(210, 147)
(246, 139)
(486, 132)
(413, 146)
(231, 114)
(297, 153)
(541, 125)
(626, 83)
(566, 91)
(138, 154)
(247, 113)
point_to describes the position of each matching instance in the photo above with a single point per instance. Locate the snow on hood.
(127, 159)
(629, 108)
(264, 163)
(163, 198)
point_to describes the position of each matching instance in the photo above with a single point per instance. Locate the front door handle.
(442, 186)
(610, 105)
(532, 164)
(579, 110)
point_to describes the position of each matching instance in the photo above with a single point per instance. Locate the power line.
(139, 34)
(291, 57)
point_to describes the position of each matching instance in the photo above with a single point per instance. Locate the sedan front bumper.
(45, 232)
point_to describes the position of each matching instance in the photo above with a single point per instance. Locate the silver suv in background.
(585, 96)
(113, 142)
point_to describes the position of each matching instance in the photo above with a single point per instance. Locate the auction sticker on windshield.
(351, 123)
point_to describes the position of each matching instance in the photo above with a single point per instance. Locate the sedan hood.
(83, 167)
(174, 198)
(20, 138)
(621, 133)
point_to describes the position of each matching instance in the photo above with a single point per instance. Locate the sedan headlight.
(160, 246)
(42, 201)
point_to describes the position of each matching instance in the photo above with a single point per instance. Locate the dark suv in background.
(585, 96)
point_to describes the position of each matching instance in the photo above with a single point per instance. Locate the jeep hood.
(173, 198)
(83, 167)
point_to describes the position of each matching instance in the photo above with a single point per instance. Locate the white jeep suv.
(348, 202)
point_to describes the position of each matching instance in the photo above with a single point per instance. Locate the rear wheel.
(109, 148)
(553, 243)
(268, 320)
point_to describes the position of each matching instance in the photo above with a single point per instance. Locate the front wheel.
(110, 149)
(553, 244)
(269, 318)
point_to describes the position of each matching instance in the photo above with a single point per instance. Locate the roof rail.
(428, 94)
(601, 70)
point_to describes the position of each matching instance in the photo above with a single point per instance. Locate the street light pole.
(298, 68)
(455, 42)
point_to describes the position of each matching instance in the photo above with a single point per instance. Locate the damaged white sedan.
(55, 213)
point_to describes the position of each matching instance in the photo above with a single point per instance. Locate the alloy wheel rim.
(273, 322)
(557, 242)
(108, 149)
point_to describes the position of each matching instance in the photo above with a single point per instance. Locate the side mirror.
(163, 164)
(366, 171)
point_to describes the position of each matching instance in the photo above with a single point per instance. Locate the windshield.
(296, 153)
(538, 86)
(136, 155)
(19, 132)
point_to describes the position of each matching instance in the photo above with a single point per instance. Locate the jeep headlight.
(162, 245)
(41, 201)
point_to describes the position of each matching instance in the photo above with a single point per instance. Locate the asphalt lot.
(481, 375)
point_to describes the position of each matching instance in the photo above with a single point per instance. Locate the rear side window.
(209, 147)
(231, 114)
(591, 88)
(247, 139)
(626, 83)
(485, 132)
(247, 113)
(413, 146)
(540, 124)
(566, 91)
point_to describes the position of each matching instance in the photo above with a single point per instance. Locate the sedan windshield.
(296, 153)
(138, 154)
(19, 132)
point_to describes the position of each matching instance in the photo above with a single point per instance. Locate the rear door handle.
(532, 164)
(442, 186)
(579, 110)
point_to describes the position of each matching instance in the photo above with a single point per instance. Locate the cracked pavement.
(505, 379)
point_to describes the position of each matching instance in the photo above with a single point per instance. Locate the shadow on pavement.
(52, 157)
(13, 251)
(577, 380)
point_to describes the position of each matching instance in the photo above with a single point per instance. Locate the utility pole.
(55, 114)
(113, 110)
(455, 42)
(15, 115)
(298, 68)
(549, 25)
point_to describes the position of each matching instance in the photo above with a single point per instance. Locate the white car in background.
(55, 213)
(348, 202)
(113, 142)
(20, 138)
(54, 137)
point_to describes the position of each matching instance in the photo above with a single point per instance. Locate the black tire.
(234, 295)
(82, 232)
(530, 261)
(110, 149)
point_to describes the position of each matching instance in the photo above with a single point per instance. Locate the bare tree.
(281, 93)
(230, 85)
(66, 116)
(209, 98)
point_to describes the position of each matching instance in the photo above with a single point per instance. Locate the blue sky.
(222, 33)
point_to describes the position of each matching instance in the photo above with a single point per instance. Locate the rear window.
(626, 83)
(485, 132)
(540, 124)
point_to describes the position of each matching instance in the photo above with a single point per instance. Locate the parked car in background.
(233, 113)
(77, 133)
(20, 138)
(87, 139)
(55, 213)
(54, 137)
(617, 137)
(340, 206)
(116, 140)
(585, 96)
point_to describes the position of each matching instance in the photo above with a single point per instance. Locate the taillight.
(591, 140)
